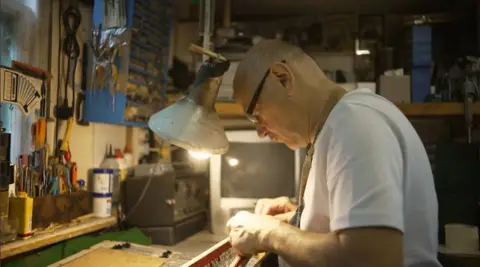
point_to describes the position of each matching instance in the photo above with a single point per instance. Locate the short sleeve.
(364, 171)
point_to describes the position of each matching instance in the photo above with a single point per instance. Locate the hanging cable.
(59, 71)
(71, 48)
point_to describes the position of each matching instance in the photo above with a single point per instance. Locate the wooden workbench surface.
(193, 246)
(103, 255)
(182, 252)
(189, 248)
(51, 235)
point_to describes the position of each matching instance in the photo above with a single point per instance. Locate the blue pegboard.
(420, 84)
(421, 45)
(422, 54)
(421, 62)
(157, 16)
(99, 9)
(103, 107)
(422, 33)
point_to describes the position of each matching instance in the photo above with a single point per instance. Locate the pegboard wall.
(150, 23)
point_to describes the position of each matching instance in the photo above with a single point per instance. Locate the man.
(369, 196)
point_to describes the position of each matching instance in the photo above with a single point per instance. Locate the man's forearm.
(367, 246)
(300, 248)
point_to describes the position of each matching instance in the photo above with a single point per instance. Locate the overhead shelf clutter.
(234, 110)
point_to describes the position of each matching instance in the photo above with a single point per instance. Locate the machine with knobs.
(173, 207)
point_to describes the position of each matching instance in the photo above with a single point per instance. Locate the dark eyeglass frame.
(256, 95)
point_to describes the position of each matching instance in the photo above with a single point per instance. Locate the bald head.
(285, 82)
(259, 59)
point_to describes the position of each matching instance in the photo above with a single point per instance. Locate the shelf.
(136, 124)
(143, 72)
(132, 81)
(229, 109)
(437, 109)
(133, 55)
(234, 110)
(145, 46)
(135, 103)
(77, 227)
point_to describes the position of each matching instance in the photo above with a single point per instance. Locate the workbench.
(51, 235)
(182, 252)
(195, 245)
(190, 248)
(451, 258)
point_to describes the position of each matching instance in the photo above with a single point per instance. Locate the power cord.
(140, 199)
(120, 220)
(72, 19)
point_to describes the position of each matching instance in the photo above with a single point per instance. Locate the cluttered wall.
(32, 32)
(88, 143)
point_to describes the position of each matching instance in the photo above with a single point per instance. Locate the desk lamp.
(192, 122)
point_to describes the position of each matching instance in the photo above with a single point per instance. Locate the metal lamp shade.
(192, 122)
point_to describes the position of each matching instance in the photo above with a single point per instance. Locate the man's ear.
(283, 73)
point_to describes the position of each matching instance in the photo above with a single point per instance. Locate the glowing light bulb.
(199, 155)
(362, 52)
(233, 162)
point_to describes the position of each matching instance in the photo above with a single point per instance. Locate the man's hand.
(274, 206)
(249, 233)
(285, 217)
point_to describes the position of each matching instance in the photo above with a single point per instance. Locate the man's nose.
(261, 131)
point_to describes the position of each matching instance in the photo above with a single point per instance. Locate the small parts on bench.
(166, 254)
(122, 246)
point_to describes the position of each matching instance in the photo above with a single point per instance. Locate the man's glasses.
(256, 95)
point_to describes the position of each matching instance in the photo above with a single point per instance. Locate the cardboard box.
(395, 88)
(60, 208)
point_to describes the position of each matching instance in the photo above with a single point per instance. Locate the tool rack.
(150, 22)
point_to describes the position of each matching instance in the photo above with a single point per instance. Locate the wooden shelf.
(437, 109)
(229, 110)
(234, 110)
(87, 224)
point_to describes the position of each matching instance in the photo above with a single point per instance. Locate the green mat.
(60, 251)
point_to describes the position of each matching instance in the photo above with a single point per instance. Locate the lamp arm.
(207, 82)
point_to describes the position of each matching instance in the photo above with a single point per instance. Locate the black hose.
(71, 23)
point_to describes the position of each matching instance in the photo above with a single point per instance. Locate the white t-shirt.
(370, 168)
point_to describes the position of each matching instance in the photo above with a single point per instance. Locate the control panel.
(190, 197)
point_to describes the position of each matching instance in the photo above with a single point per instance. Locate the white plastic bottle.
(127, 154)
(122, 164)
(109, 162)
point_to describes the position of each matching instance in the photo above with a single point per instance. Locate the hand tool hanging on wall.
(43, 75)
(79, 112)
(71, 19)
(66, 138)
(110, 35)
